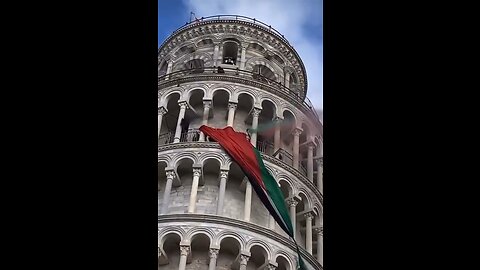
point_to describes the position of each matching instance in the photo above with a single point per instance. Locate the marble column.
(178, 132)
(242, 59)
(253, 137)
(193, 193)
(287, 80)
(248, 201)
(169, 69)
(276, 138)
(319, 232)
(296, 147)
(161, 112)
(184, 250)
(213, 258)
(320, 175)
(207, 104)
(231, 113)
(215, 54)
(243, 261)
(292, 203)
(168, 188)
(310, 161)
(308, 233)
(221, 191)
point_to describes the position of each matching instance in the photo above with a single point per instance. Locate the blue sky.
(301, 21)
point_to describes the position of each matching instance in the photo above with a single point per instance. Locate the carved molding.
(240, 224)
(240, 28)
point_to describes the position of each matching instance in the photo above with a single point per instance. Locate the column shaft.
(231, 113)
(253, 138)
(296, 148)
(248, 201)
(183, 257)
(193, 193)
(242, 59)
(181, 115)
(276, 138)
(206, 111)
(166, 193)
(310, 163)
(221, 192)
(308, 234)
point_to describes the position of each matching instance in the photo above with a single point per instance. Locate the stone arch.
(200, 230)
(220, 157)
(186, 44)
(288, 187)
(284, 255)
(166, 97)
(188, 93)
(256, 242)
(250, 63)
(263, 98)
(184, 155)
(307, 201)
(226, 88)
(229, 234)
(169, 230)
(252, 94)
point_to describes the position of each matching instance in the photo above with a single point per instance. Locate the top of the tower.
(245, 26)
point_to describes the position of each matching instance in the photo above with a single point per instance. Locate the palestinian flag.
(239, 148)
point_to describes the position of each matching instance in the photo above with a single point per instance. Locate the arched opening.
(294, 86)
(256, 48)
(266, 128)
(193, 117)
(205, 43)
(258, 258)
(230, 52)
(169, 252)
(302, 205)
(303, 155)
(169, 120)
(228, 256)
(180, 195)
(263, 73)
(235, 193)
(208, 188)
(243, 117)
(286, 135)
(200, 246)
(283, 263)
(185, 50)
(195, 66)
(220, 108)
(162, 179)
(162, 69)
(285, 188)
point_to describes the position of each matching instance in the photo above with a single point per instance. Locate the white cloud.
(295, 19)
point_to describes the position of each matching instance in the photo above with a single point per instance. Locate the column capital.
(297, 131)
(256, 112)
(197, 171)
(207, 104)
(232, 105)
(311, 145)
(318, 230)
(162, 110)
(244, 259)
(309, 215)
(214, 252)
(184, 250)
(292, 202)
(271, 267)
(170, 174)
(224, 174)
(183, 104)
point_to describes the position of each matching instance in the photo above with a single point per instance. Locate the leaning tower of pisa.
(235, 71)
